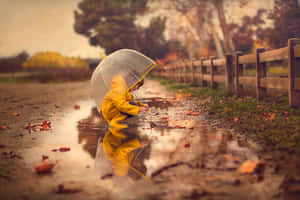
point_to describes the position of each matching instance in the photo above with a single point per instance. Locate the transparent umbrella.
(129, 65)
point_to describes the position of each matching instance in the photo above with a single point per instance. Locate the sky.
(41, 25)
(47, 25)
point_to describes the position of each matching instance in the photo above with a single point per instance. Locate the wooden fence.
(205, 71)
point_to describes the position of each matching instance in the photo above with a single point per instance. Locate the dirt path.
(187, 156)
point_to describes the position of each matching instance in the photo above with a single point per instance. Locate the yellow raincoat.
(119, 153)
(117, 102)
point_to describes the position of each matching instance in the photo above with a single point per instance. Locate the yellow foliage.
(260, 44)
(54, 60)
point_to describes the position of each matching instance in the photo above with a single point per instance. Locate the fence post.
(175, 72)
(261, 72)
(184, 72)
(237, 69)
(213, 69)
(203, 69)
(294, 72)
(229, 73)
(188, 71)
(172, 73)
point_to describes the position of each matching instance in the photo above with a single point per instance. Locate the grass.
(11, 79)
(271, 122)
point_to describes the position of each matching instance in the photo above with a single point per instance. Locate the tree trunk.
(228, 42)
(219, 48)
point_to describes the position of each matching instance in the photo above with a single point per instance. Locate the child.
(118, 104)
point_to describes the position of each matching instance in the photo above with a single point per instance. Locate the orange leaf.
(248, 167)
(77, 107)
(64, 149)
(165, 118)
(44, 167)
(189, 112)
(16, 114)
(4, 127)
(195, 113)
(272, 116)
(178, 96)
(187, 94)
(236, 120)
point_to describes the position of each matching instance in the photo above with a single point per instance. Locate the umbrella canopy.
(126, 66)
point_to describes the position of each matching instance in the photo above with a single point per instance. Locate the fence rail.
(206, 71)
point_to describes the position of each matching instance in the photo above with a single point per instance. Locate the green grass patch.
(12, 79)
(271, 122)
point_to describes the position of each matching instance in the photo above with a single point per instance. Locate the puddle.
(159, 138)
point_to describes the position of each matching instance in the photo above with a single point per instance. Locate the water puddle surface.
(167, 146)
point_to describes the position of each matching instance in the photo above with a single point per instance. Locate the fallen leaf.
(195, 113)
(77, 107)
(4, 127)
(45, 157)
(248, 167)
(159, 100)
(46, 124)
(16, 114)
(29, 127)
(64, 149)
(236, 120)
(68, 188)
(187, 95)
(186, 145)
(178, 96)
(165, 118)
(272, 116)
(189, 112)
(179, 126)
(152, 124)
(44, 167)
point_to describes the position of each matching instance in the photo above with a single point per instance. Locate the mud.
(181, 156)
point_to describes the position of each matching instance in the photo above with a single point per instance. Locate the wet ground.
(181, 154)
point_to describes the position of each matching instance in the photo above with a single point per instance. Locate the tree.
(286, 15)
(244, 34)
(111, 25)
(204, 10)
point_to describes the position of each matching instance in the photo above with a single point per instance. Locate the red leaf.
(46, 126)
(165, 118)
(77, 107)
(186, 145)
(44, 167)
(64, 149)
(45, 157)
(16, 114)
(179, 126)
